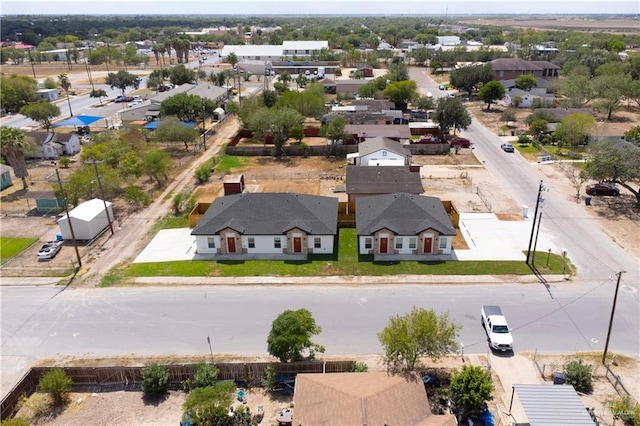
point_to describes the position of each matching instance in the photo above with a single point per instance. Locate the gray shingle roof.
(403, 214)
(270, 214)
(382, 180)
(378, 143)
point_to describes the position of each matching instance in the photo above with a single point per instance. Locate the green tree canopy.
(468, 78)
(418, 334)
(184, 106)
(172, 130)
(42, 112)
(308, 103)
(14, 144)
(470, 389)
(401, 92)
(490, 92)
(121, 80)
(17, 91)
(526, 82)
(291, 334)
(575, 129)
(57, 384)
(451, 114)
(616, 163)
(181, 75)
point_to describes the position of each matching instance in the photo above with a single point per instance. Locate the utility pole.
(613, 311)
(66, 210)
(535, 242)
(104, 201)
(535, 219)
(204, 133)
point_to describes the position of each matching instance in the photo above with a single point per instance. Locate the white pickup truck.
(497, 328)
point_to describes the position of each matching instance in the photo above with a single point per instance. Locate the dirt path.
(133, 234)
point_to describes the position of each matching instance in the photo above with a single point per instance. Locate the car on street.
(442, 87)
(49, 250)
(451, 95)
(602, 189)
(119, 99)
(507, 147)
(461, 142)
(429, 95)
(135, 102)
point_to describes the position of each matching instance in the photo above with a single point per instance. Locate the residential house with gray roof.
(267, 226)
(380, 151)
(403, 226)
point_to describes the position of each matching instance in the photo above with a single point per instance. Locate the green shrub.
(56, 384)
(64, 162)
(359, 367)
(624, 409)
(17, 421)
(579, 375)
(270, 378)
(155, 380)
(205, 375)
(203, 172)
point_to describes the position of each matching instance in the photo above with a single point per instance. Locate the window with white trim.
(413, 242)
(368, 243)
(442, 243)
(398, 243)
(211, 242)
(251, 242)
(277, 243)
(317, 242)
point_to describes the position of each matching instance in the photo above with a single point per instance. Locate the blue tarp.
(154, 124)
(80, 120)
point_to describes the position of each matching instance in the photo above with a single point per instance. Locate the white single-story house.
(267, 226)
(88, 220)
(380, 151)
(403, 226)
(51, 146)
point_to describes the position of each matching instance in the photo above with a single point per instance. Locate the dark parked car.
(507, 147)
(461, 142)
(602, 189)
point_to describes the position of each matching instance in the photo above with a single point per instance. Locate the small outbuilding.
(88, 220)
(233, 184)
(5, 176)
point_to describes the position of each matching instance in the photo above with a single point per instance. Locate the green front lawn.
(346, 262)
(10, 247)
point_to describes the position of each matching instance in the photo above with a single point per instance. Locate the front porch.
(390, 257)
(251, 256)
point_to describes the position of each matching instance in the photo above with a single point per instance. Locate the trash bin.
(513, 133)
(559, 378)
(59, 236)
(587, 201)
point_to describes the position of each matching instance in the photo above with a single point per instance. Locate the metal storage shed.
(551, 405)
(89, 219)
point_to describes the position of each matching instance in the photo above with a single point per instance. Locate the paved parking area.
(488, 238)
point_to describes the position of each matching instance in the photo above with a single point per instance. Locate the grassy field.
(346, 262)
(10, 247)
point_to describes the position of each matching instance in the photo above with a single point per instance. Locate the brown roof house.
(356, 399)
(508, 68)
(403, 227)
(362, 181)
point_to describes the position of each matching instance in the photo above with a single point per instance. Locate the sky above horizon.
(317, 7)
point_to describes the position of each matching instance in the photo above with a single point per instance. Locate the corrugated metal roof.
(552, 405)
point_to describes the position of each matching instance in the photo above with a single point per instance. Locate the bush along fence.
(110, 379)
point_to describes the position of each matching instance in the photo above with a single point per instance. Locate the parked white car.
(49, 250)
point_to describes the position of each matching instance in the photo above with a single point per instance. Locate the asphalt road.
(47, 323)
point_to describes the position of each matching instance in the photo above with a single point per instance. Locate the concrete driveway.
(168, 245)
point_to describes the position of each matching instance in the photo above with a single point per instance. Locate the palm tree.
(65, 83)
(14, 144)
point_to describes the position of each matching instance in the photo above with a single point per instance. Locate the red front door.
(428, 243)
(384, 245)
(297, 245)
(231, 244)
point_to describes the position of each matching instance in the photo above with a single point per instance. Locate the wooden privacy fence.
(109, 379)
